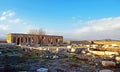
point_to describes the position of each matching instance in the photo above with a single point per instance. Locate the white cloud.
(8, 13)
(4, 13)
(99, 29)
(2, 18)
(10, 23)
(4, 27)
(11, 14)
(92, 29)
(15, 21)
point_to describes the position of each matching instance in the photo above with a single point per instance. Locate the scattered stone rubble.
(62, 60)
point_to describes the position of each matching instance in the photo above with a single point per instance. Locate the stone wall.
(34, 39)
(103, 53)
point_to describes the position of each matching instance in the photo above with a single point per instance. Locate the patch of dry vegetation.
(107, 42)
(109, 49)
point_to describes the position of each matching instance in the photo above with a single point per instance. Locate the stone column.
(16, 40)
(24, 40)
(20, 41)
(27, 40)
(36, 40)
(54, 40)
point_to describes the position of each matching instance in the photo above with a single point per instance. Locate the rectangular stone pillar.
(16, 40)
(20, 41)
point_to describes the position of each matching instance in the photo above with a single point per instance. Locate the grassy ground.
(108, 42)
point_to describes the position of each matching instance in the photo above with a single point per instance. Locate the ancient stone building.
(25, 39)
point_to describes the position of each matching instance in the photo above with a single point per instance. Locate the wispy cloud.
(2, 18)
(105, 24)
(15, 21)
(92, 29)
(6, 14)
(4, 27)
(99, 29)
(9, 22)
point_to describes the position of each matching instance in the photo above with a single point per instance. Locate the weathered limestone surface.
(34, 39)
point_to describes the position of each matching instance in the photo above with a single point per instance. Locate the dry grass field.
(107, 42)
(109, 49)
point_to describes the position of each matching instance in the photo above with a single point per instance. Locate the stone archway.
(18, 41)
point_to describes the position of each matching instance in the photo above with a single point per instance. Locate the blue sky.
(74, 19)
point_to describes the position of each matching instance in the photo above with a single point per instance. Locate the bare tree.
(37, 31)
